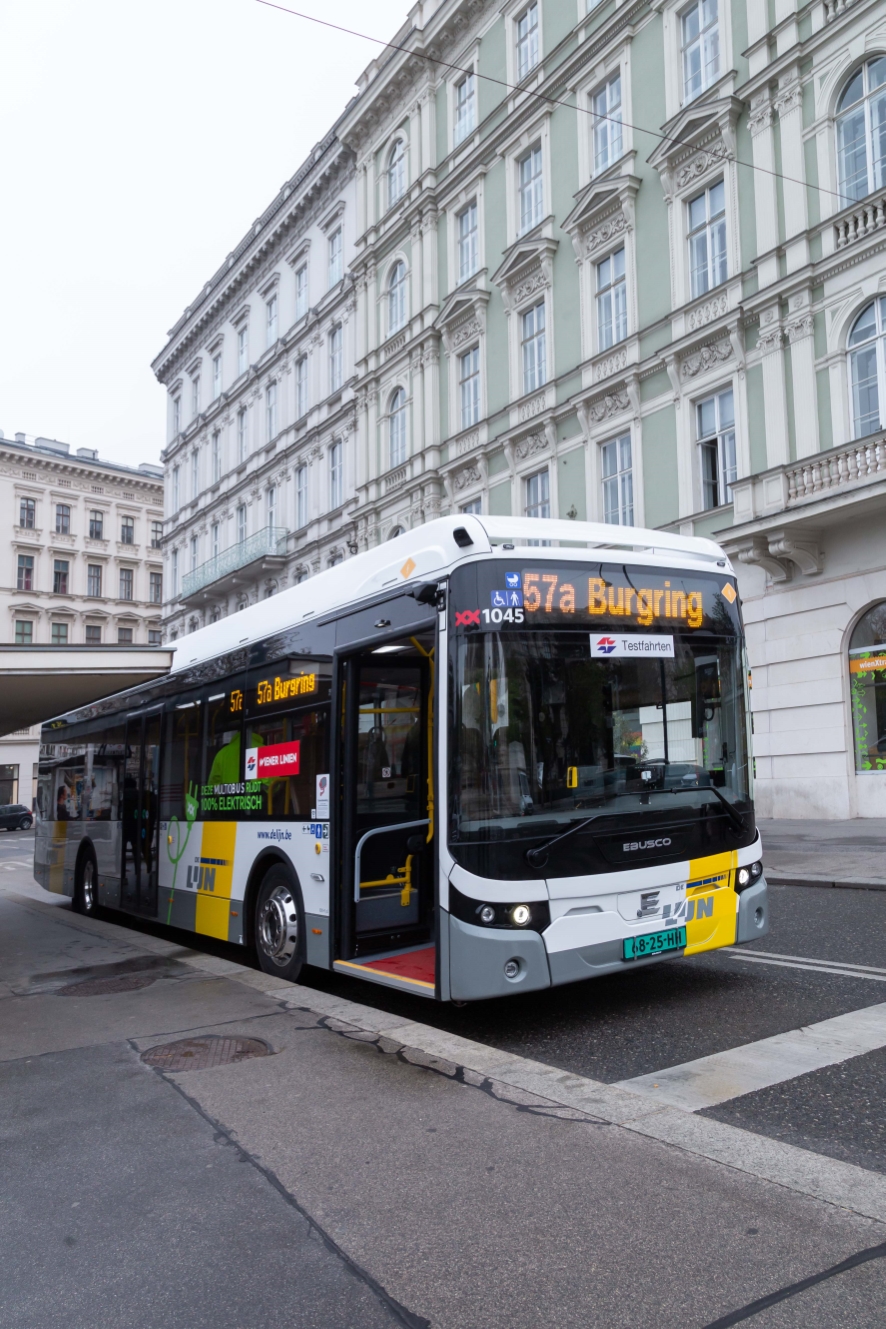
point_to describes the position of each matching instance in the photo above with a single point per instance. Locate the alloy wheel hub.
(278, 926)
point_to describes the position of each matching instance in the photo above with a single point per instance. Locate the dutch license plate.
(654, 943)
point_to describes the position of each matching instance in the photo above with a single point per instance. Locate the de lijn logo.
(175, 859)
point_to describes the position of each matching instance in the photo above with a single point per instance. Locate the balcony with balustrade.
(240, 565)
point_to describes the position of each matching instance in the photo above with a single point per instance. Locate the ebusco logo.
(605, 645)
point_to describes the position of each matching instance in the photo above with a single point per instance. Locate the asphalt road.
(326, 1186)
(668, 1014)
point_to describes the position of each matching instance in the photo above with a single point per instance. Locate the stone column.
(788, 103)
(766, 210)
(770, 343)
(799, 330)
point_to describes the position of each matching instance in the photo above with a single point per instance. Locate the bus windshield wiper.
(734, 816)
(536, 857)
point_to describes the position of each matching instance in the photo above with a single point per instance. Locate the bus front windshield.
(547, 734)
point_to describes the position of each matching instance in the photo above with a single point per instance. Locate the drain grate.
(98, 987)
(201, 1054)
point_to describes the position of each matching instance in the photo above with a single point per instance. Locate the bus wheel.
(279, 924)
(86, 885)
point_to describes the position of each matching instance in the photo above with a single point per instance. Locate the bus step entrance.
(410, 970)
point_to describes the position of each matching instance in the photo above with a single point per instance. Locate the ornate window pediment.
(605, 209)
(526, 270)
(694, 141)
(463, 317)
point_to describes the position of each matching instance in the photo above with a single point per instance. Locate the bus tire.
(279, 924)
(86, 884)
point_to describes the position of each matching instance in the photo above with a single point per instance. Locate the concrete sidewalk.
(825, 853)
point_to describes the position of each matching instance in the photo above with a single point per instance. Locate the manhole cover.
(97, 987)
(201, 1054)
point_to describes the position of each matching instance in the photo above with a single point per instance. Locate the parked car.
(15, 817)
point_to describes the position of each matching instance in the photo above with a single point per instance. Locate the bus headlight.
(532, 915)
(520, 915)
(487, 914)
(747, 876)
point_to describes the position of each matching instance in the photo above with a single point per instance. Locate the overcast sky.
(138, 144)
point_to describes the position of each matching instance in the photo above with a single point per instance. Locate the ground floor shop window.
(8, 784)
(867, 674)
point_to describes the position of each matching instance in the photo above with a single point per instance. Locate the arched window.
(397, 427)
(867, 368)
(395, 531)
(867, 676)
(396, 172)
(861, 132)
(397, 297)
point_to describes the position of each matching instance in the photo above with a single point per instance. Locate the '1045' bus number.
(502, 615)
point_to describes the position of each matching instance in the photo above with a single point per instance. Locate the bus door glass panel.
(131, 778)
(140, 813)
(391, 789)
(149, 838)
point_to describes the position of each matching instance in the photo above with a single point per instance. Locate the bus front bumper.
(487, 962)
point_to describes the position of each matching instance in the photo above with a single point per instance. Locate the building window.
(612, 301)
(27, 513)
(24, 632)
(176, 416)
(537, 495)
(25, 579)
(127, 529)
(155, 636)
(156, 534)
(59, 634)
(176, 489)
(397, 297)
(195, 396)
(242, 436)
(93, 634)
(715, 429)
(97, 524)
(271, 410)
(867, 368)
(271, 505)
(707, 239)
(606, 105)
(396, 172)
(701, 47)
(213, 539)
(530, 189)
(468, 253)
(126, 583)
(397, 427)
(301, 497)
(61, 571)
(271, 321)
(527, 41)
(195, 552)
(335, 356)
(301, 386)
(301, 291)
(216, 456)
(472, 509)
(465, 108)
(124, 636)
(867, 678)
(173, 567)
(335, 258)
(532, 348)
(195, 473)
(241, 523)
(243, 349)
(156, 588)
(62, 519)
(469, 386)
(94, 579)
(216, 376)
(336, 475)
(618, 481)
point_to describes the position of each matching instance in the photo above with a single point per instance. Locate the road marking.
(806, 960)
(818, 968)
(743, 1070)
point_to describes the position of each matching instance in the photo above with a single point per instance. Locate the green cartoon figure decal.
(191, 807)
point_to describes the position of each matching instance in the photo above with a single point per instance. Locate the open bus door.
(388, 827)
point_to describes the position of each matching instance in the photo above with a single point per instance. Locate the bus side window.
(180, 772)
(292, 794)
(222, 751)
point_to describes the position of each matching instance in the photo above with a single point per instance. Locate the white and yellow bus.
(489, 756)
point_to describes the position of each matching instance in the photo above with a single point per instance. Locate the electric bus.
(488, 756)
